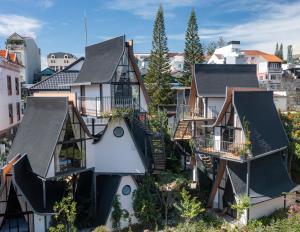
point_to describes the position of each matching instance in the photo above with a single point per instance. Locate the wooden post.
(248, 187)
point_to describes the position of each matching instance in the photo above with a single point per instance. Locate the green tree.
(290, 54)
(221, 42)
(280, 52)
(193, 52)
(65, 215)
(189, 207)
(242, 204)
(157, 80)
(211, 47)
(116, 214)
(276, 50)
(145, 200)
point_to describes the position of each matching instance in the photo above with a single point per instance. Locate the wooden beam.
(219, 176)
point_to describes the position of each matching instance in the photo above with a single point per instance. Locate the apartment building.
(10, 93)
(28, 54)
(60, 60)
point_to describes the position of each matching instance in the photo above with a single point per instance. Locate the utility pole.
(85, 27)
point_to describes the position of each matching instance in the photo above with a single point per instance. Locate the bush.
(100, 229)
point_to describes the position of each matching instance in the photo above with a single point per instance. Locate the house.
(10, 94)
(95, 138)
(29, 55)
(207, 94)
(248, 155)
(59, 81)
(229, 54)
(60, 60)
(269, 70)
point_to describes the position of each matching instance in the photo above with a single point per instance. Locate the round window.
(118, 131)
(126, 190)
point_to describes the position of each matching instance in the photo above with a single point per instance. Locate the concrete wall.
(8, 70)
(126, 202)
(114, 155)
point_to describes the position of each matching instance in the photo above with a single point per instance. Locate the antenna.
(85, 27)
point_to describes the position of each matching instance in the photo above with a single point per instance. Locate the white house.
(60, 60)
(79, 136)
(29, 55)
(10, 94)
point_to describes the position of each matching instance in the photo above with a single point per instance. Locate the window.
(9, 90)
(273, 77)
(17, 86)
(52, 56)
(126, 190)
(18, 111)
(10, 114)
(118, 132)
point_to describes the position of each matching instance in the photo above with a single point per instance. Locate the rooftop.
(265, 56)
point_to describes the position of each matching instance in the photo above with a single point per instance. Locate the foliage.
(193, 52)
(159, 121)
(279, 51)
(100, 229)
(211, 47)
(241, 205)
(276, 53)
(145, 201)
(116, 214)
(189, 207)
(65, 214)
(157, 80)
(247, 145)
(118, 113)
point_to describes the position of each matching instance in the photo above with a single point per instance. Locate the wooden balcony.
(223, 149)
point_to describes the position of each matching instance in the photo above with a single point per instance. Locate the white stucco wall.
(112, 154)
(217, 102)
(5, 99)
(39, 223)
(126, 202)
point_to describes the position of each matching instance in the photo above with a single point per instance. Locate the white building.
(29, 55)
(10, 94)
(79, 135)
(60, 60)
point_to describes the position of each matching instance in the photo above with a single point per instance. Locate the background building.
(60, 60)
(28, 54)
(10, 97)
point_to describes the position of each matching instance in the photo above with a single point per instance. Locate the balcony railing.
(222, 148)
(184, 112)
(96, 106)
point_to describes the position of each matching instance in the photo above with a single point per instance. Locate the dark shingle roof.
(31, 187)
(107, 187)
(39, 131)
(101, 61)
(212, 79)
(266, 131)
(55, 81)
(268, 178)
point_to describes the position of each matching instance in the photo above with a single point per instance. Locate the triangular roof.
(39, 131)
(211, 80)
(268, 178)
(265, 56)
(257, 107)
(101, 61)
(59, 80)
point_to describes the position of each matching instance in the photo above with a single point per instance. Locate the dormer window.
(66, 56)
(52, 56)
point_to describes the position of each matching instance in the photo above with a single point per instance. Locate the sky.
(58, 25)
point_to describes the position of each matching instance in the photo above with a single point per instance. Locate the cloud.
(25, 26)
(46, 3)
(44, 63)
(39, 3)
(147, 8)
(280, 23)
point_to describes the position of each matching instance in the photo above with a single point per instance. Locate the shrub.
(100, 229)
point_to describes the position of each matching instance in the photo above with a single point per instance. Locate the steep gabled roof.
(101, 61)
(268, 178)
(266, 130)
(212, 79)
(59, 80)
(39, 130)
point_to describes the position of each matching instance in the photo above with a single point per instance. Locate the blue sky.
(58, 25)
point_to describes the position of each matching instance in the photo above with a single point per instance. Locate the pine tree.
(290, 54)
(193, 52)
(280, 53)
(276, 50)
(158, 79)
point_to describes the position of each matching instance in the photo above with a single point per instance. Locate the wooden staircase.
(206, 160)
(183, 131)
(158, 153)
